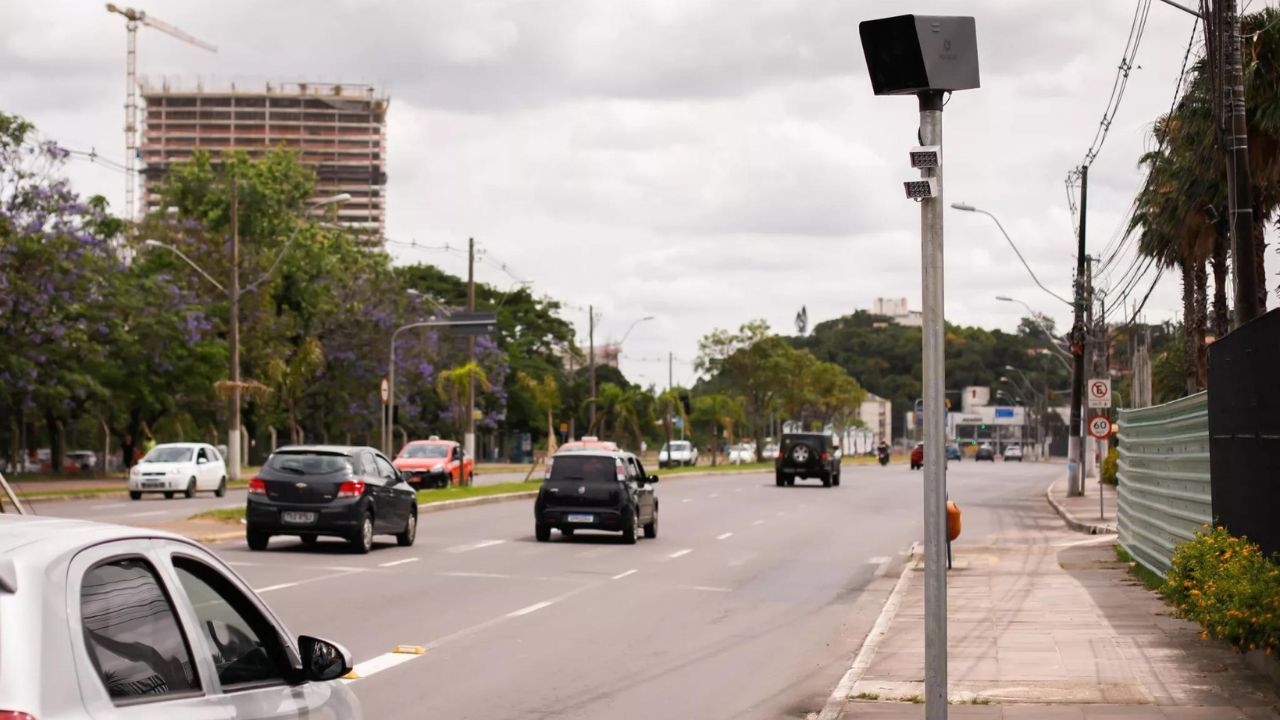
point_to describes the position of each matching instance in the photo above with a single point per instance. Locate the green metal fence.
(1164, 478)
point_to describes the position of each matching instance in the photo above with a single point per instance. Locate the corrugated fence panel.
(1164, 478)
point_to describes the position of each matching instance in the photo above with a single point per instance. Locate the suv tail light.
(15, 715)
(824, 456)
(351, 488)
(780, 455)
(256, 487)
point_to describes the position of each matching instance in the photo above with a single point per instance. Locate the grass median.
(233, 516)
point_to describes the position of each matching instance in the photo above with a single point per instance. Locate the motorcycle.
(884, 457)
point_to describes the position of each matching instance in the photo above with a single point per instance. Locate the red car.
(435, 463)
(917, 456)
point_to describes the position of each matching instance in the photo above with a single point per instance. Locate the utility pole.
(1075, 468)
(469, 440)
(1239, 183)
(1091, 355)
(591, 360)
(233, 434)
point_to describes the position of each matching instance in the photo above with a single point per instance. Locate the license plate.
(152, 484)
(298, 518)
(575, 518)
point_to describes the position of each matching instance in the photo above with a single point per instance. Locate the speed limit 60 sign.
(1099, 392)
(1100, 427)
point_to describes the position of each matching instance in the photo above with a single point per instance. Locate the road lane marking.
(530, 609)
(477, 575)
(269, 588)
(737, 489)
(715, 494)
(680, 553)
(382, 662)
(112, 505)
(708, 588)
(621, 575)
(473, 546)
(146, 514)
(394, 563)
(758, 522)
(687, 500)
(724, 536)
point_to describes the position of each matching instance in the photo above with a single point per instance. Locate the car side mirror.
(653, 478)
(202, 461)
(323, 660)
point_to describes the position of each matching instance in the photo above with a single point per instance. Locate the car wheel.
(135, 495)
(406, 538)
(257, 540)
(629, 529)
(168, 495)
(651, 527)
(826, 479)
(780, 480)
(222, 488)
(190, 492)
(471, 479)
(542, 532)
(791, 482)
(444, 482)
(362, 541)
(836, 480)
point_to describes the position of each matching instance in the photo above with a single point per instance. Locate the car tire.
(471, 479)
(190, 492)
(168, 495)
(780, 480)
(826, 479)
(222, 488)
(651, 527)
(362, 541)
(542, 532)
(629, 528)
(444, 482)
(835, 480)
(791, 482)
(406, 538)
(257, 540)
(135, 495)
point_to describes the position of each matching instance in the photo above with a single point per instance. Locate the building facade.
(896, 309)
(340, 131)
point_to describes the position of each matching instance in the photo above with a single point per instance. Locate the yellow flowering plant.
(1228, 586)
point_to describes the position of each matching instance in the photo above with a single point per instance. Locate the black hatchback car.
(596, 490)
(313, 490)
(807, 455)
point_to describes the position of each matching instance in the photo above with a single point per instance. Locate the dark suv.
(808, 455)
(309, 491)
(596, 490)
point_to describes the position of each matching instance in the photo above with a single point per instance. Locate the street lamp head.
(1002, 298)
(963, 206)
(152, 243)
(1010, 368)
(334, 200)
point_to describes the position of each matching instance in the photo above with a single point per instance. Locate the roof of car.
(431, 441)
(337, 449)
(600, 452)
(182, 444)
(21, 534)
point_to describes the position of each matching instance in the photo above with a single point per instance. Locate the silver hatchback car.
(103, 621)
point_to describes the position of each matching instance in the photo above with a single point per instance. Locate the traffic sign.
(1100, 427)
(470, 324)
(1100, 393)
(385, 390)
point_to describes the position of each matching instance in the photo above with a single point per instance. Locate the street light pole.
(233, 433)
(969, 208)
(1053, 340)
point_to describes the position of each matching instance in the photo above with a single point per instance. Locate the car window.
(308, 463)
(385, 469)
(168, 454)
(200, 455)
(640, 468)
(370, 467)
(214, 455)
(586, 469)
(425, 451)
(132, 633)
(245, 645)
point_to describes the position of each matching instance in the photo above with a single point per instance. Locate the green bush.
(1227, 585)
(1110, 464)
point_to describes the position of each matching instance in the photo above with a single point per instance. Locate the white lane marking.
(382, 662)
(687, 500)
(473, 546)
(758, 522)
(476, 575)
(112, 505)
(394, 563)
(680, 553)
(709, 588)
(146, 514)
(715, 494)
(269, 588)
(621, 575)
(1099, 540)
(532, 608)
(737, 489)
(724, 536)
(244, 564)
(835, 704)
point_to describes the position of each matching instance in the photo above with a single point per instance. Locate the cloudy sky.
(701, 161)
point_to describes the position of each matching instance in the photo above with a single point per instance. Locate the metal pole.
(470, 437)
(935, 550)
(1090, 445)
(1075, 468)
(591, 355)
(233, 433)
(389, 425)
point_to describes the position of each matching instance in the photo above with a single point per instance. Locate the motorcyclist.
(882, 452)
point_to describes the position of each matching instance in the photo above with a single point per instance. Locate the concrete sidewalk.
(1053, 627)
(1085, 513)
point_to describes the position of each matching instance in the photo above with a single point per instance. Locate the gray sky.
(702, 161)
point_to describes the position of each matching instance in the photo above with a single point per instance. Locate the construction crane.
(134, 18)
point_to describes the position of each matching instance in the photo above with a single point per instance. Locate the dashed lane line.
(758, 522)
(269, 588)
(621, 575)
(680, 553)
(146, 514)
(708, 588)
(473, 546)
(687, 500)
(394, 563)
(724, 536)
(530, 609)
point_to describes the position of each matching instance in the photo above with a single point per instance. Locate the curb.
(1071, 521)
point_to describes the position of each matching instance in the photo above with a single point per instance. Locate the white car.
(677, 453)
(742, 453)
(82, 460)
(103, 621)
(184, 468)
(1013, 452)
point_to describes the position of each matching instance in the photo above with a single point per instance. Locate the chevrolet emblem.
(300, 485)
(582, 490)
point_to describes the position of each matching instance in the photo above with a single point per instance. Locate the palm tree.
(452, 386)
(546, 397)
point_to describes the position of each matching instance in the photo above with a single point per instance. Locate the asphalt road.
(750, 603)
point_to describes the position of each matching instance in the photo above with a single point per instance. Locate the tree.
(718, 412)
(452, 384)
(546, 398)
(754, 364)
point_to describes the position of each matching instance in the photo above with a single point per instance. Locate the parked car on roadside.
(596, 490)
(985, 452)
(770, 451)
(917, 456)
(80, 461)
(312, 490)
(742, 453)
(808, 455)
(435, 463)
(1013, 452)
(173, 468)
(104, 621)
(677, 453)
(953, 452)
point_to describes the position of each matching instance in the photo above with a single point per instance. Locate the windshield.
(309, 463)
(589, 469)
(425, 451)
(677, 446)
(168, 455)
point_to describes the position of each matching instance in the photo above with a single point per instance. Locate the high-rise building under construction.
(338, 130)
